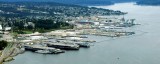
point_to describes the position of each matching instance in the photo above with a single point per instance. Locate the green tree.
(3, 44)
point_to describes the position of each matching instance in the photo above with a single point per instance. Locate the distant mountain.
(78, 2)
(85, 2)
(94, 2)
(50, 9)
(72, 0)
(149, 2)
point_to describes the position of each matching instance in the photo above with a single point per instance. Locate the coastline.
(100, 35)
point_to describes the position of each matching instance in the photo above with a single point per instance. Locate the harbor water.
(141, 48)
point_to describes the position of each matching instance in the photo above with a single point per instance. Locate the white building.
(0, 27)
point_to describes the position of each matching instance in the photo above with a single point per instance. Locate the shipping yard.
(92, 35)
(60, 41)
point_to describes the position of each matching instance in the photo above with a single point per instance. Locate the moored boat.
(83, 44)
(65, 46)
(43, 49)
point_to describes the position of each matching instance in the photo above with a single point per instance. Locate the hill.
(23, 9)
(149, 2)
(77, 2)
(26, 17)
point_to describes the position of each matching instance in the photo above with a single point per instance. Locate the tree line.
(3, 44)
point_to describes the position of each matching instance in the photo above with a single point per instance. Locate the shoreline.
(93, 32)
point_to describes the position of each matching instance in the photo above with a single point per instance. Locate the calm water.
(142, 48)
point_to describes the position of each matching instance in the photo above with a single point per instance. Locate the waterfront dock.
(73, 39)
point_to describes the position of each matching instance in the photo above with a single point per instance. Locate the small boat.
(43, 52)
(83, 37)
(83, 44)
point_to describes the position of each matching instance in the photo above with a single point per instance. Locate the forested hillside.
(149, 2)
(79, 2)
